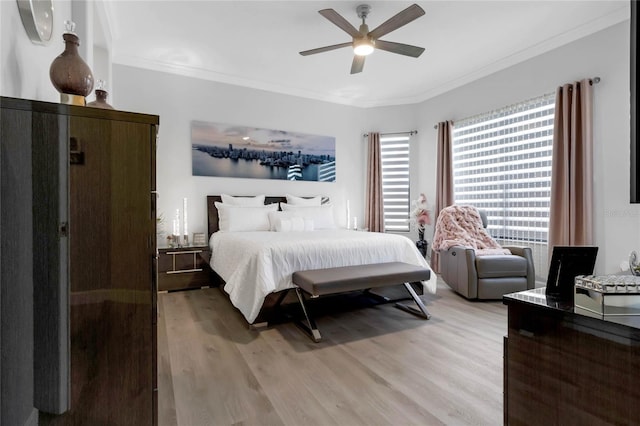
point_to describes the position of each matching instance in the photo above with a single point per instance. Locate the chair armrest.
(527, 253)
(460, 270)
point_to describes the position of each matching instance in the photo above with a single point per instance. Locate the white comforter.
(254, 264)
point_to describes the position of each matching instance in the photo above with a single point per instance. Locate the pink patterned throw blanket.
(462, 226)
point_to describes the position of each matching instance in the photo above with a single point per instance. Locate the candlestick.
(348, 215)
(177, 221)
(184, 214)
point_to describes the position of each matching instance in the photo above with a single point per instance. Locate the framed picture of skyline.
(227, 150)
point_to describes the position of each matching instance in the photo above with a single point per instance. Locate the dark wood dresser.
(181, 268)
(561, 367)
(79, 305)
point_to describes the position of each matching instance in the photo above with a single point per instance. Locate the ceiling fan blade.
(325, 49)
(357, 64)
(402, 49)
(338, 20)
(409, 14)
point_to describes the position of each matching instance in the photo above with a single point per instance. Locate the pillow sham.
(283, 225)
(322, 215)
(300, 201)
(294, 224)
(288, 221)
(244, 218)
(258, 200)
(275, 218)
(309, 225)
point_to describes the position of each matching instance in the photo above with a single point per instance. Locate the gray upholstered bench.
(320, 282)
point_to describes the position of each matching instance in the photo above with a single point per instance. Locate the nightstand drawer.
(181, 268)
(177, 262)
(183, 281)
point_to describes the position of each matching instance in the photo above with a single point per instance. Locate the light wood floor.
(376, 365)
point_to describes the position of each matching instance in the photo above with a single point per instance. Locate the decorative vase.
(69, 73)
(101, 96)
(421, 244)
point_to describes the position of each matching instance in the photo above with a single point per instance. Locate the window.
(395, 182)
(502, 165)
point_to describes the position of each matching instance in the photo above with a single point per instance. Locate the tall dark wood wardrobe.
(78, 253)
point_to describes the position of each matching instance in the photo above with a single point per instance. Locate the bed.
(255, 264)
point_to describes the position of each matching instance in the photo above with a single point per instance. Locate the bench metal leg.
(423, 309)
(378, 297)
(310, 327)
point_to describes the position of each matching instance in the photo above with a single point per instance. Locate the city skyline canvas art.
(227, 150)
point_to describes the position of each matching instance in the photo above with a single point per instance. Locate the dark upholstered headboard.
(212, 211)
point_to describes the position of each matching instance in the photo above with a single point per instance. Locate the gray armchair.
(487, 277)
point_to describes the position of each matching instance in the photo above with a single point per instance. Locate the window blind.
(394, 151)
(502, 165)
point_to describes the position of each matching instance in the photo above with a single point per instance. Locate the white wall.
(604, 54)
(24, 66)
(180, 100)
(24, 72)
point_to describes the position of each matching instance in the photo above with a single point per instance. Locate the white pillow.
(297, 224)
(322, 215)
(258, 200)
(299, 201)
(284, 225)
(275, 218)
(309, 225)
(244, 218)
(294, 224)
(288, 221)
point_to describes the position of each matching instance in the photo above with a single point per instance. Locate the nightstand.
(182, 268)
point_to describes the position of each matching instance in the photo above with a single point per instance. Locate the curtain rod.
(411, 133)
(592, 81)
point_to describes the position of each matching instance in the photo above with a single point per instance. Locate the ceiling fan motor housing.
(364, 30)
(363, 11)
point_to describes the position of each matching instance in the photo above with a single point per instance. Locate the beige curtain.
(571, 215)
(444, 177)
(374, 214)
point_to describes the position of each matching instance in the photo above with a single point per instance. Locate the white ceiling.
(256, 43)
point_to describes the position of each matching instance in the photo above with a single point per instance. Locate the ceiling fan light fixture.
(364, 42)
(363, 47)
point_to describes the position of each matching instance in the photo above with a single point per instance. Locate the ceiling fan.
(364, 41)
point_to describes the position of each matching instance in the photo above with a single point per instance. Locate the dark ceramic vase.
(69, 73)
(422, 244)
(101, 100)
